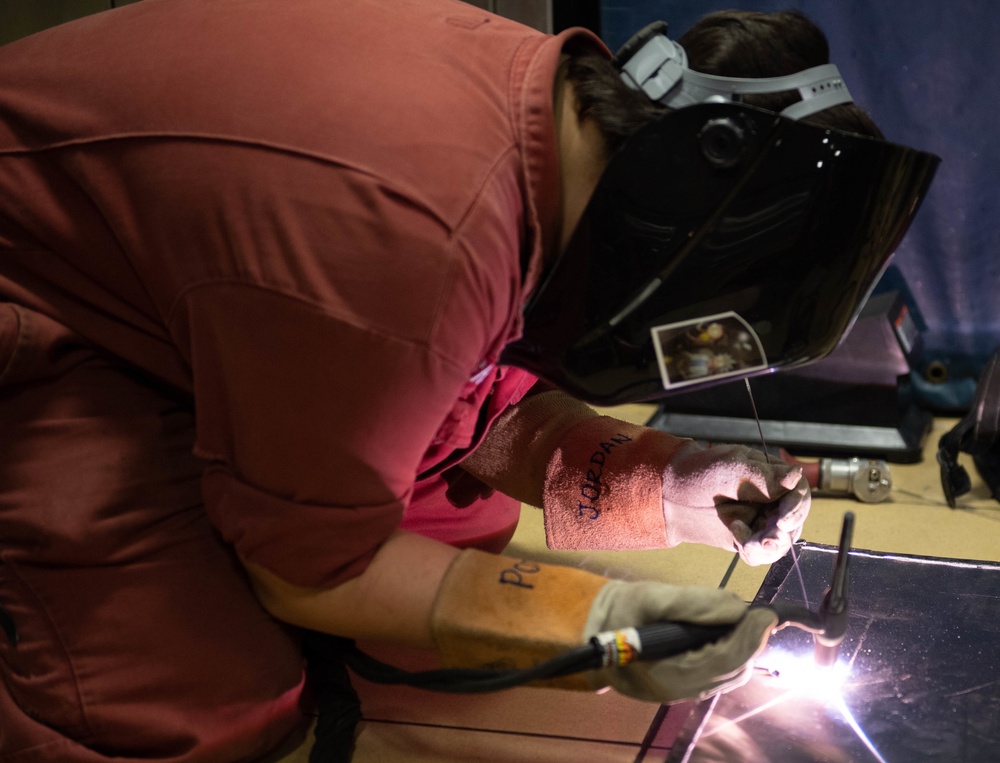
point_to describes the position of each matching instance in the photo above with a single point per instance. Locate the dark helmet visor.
(721, 242)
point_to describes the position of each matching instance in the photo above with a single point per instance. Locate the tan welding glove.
(499, 612)
(695, 674)
(607, 484)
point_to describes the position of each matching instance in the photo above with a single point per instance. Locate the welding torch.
(655, 641)
(833, 610)
(828, 625)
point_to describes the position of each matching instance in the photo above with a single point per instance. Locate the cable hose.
(473, 680)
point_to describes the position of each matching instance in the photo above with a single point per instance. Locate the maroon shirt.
(275, 248)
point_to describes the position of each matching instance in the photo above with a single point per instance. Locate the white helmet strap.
(659, 69)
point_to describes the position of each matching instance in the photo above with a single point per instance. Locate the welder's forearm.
(390, 601)
(515, 453)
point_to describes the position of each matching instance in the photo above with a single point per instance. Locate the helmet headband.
(658, 66)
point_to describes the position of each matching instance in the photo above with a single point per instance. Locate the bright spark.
(853, 723)
(799, 676)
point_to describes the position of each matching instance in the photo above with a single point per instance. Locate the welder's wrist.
(499, 611)
(604, 487)
(513, 455)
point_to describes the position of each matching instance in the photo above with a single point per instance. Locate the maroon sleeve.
(314, 428)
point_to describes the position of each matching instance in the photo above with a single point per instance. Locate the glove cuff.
(499, 612)
(513, 455)
(603, 487)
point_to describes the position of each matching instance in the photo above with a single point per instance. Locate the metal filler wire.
(753, 406)
(767, 457)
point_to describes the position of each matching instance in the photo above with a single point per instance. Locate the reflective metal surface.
(918, 676)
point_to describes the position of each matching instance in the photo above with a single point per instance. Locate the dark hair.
(725, 43)
(752, 44)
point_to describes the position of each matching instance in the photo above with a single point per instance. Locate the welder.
(301, 300)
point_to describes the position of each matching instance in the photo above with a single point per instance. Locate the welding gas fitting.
(867, 479)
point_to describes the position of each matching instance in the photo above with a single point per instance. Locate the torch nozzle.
(825, 654)
(833, 610)
(828, 623)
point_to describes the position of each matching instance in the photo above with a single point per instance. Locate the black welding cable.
(650, 642)
(474, 680)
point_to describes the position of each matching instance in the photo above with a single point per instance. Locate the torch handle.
(660, 640)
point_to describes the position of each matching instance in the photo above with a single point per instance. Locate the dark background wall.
(22, 17)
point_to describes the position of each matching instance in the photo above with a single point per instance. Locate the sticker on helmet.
(712, 347)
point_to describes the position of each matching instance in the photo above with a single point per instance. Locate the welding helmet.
(722, 241)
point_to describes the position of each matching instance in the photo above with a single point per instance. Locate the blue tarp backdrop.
(927, 72)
